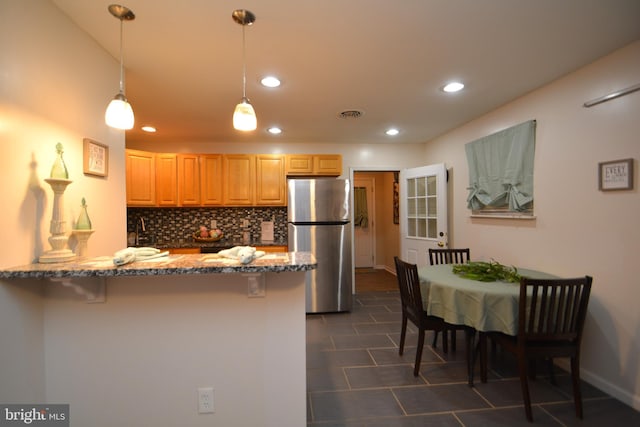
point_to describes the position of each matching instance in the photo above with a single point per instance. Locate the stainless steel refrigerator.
(319, 218)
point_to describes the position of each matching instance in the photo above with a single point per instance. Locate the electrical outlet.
(205, 400)
(255, 285)
(214, 224)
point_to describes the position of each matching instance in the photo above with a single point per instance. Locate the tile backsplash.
(166, 225)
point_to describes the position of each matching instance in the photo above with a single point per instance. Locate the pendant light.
(244, 116)
(119, 113)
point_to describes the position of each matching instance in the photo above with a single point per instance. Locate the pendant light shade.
(119, 113)
(244, 116)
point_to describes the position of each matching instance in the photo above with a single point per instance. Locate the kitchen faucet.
(140, 226)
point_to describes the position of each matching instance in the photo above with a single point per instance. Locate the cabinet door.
(327, 164)
(166, 180)
(239, 177)
(270, 180)
(281, 248)
(299, 164)
(188, 179)
(140, 178)
(211, 179)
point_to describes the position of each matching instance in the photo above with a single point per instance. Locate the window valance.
(501, 169)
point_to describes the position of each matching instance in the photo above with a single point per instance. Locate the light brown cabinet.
(272, 248)
(211, 179)
(271, 181)
(189, 179)
(169, 179)
(140, 178)
(299, 164)
(327, 164)
(313, 164)
(238, 179)
(166, 179)
(184, 250)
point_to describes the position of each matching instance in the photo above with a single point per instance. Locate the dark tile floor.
(355, 378)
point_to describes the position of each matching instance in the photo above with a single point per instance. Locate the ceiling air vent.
(350, 114)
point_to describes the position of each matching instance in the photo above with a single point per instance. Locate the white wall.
(55, 83)
(138, 359)
(578, 230)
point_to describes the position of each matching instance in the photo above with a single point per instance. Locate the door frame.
(353, 169)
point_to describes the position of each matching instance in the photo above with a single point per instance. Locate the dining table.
(482, 306)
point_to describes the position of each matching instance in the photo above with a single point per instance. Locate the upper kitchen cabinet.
(327, 164)
(270, 180)
(189, 179)
(141, 178)
(166, 179)
(211, 179)
(313, 164)
(238, 178)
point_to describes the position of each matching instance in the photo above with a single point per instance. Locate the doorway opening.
(376, 231)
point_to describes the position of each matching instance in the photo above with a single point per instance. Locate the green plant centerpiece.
(487, 271)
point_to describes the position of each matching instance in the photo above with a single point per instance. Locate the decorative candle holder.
(82, 236)
(58, 239)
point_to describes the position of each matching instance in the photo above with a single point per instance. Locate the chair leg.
(575, 376)
(483, 356)
(552, 374)
(445, 341)
(416, 368)
(403, 334)
(435, 339)
(453, 339)
(470, 335)
(524, 384)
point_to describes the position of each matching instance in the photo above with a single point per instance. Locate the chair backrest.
(449, 256)
(553, 309)
(409, 284)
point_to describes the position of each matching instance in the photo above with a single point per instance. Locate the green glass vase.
(59, 168)
(83, 223)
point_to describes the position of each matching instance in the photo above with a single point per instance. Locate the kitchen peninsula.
(176, 324)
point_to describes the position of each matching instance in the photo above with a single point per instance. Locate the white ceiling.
(386, 58)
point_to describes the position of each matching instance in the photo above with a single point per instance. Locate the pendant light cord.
(121, 61)
(244, 66)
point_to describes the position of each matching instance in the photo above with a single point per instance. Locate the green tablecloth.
(486, 306)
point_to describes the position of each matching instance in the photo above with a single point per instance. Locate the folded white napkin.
(130, 254)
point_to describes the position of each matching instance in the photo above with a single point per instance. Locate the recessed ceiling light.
(392, 132)
(149, 129)
(274, 130)
(270, 81)
(453, 87)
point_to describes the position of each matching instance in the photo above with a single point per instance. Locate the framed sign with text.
(96, 158)
(615, 175)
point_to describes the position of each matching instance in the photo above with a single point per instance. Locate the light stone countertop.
(169, 265)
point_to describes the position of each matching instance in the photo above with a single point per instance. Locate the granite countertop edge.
(219, 244)
(173, 265)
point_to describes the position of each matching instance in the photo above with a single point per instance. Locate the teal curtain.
(361, 216)
(501, 168)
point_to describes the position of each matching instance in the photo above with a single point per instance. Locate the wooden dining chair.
(412, 308)
(448, 256)
(550, 322)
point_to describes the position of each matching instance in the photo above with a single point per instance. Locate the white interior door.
(364, 243)
(423, 212)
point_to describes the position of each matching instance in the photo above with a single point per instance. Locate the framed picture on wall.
(396, 199)
(96, 158)
(615, 175)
